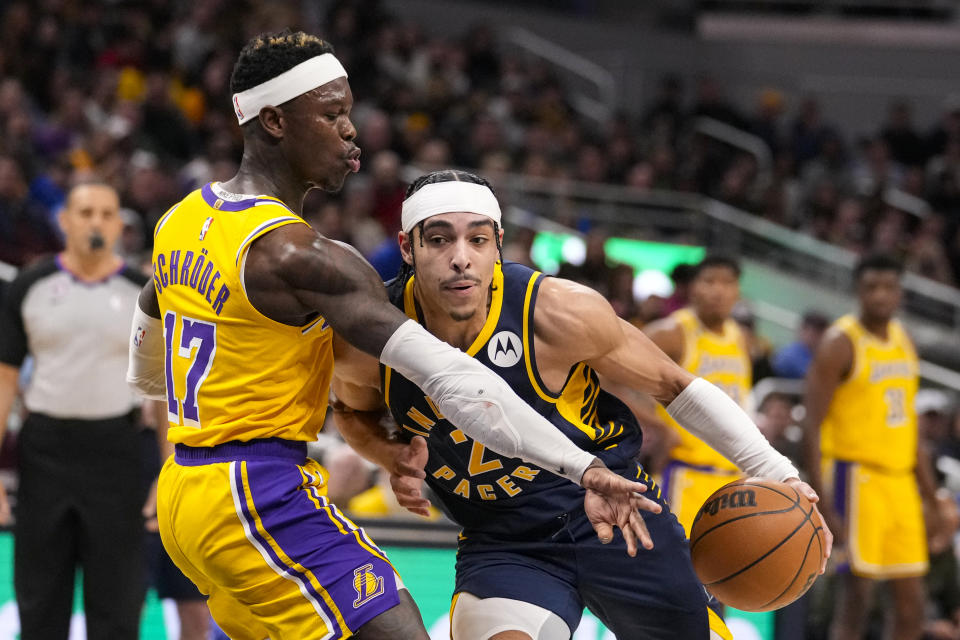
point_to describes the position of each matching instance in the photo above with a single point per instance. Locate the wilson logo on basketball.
(734, 500)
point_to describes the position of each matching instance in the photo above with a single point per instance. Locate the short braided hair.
(269, 54)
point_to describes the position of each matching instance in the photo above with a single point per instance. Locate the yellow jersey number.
(197, 345)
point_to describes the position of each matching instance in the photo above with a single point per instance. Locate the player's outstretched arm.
(293, 271)
(580, 325)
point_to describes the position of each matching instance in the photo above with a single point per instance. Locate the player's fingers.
(417, 505)
(646, 504)
(404, 486)
(828, 539)
(639, 528)
(418, 450)
(629, 535)
(604, 531)
(406, 469)
(805, 490)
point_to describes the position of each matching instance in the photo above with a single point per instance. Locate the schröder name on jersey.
(193, 270)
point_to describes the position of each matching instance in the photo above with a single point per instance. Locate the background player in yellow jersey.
(861, 431)
(705, 340)
(248, 293)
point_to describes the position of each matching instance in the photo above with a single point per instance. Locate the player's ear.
(272, 121)
(406, 250)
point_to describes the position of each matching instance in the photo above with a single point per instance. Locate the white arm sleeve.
(145, 365)
(480, 403)
(711, 415)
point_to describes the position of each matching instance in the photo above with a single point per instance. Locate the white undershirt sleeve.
(145, 373)
(480, 403)
(711, 415)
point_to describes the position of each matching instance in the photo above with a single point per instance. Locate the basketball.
(757, 544)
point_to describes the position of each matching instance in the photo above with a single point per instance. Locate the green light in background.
(548, 252)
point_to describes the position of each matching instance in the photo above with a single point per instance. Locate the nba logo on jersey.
(367, 584)
(206, 227)
(505, 349)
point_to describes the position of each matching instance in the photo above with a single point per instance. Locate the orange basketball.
(757, 545)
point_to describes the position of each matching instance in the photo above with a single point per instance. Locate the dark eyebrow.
(437, 223)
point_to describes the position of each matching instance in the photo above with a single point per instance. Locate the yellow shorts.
(254, 531)
(883, 513)
(687, 487)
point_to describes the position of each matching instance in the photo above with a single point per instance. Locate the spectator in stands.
(662, 120)
(943, 580)
(905, 144)
(765, 123)
(596, 270)
(759, 347)
(926, 253)
(681, 276)
(25, 228)
(808, 131)
(79, 495)
(935, 410)
(776, 422)
(792, 359)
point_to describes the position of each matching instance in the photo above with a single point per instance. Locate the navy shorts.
(654, 596)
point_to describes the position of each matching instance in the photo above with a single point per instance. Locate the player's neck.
(258, 175)
(712, 324)
(455, 332)
(90, 266)
(877, 326)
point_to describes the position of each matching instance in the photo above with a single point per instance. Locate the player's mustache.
(460, 280)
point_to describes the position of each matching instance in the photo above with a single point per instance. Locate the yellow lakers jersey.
(232, 373)
(871, 419)
(719, 358)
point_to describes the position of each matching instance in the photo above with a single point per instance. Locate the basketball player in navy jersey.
(528, 558)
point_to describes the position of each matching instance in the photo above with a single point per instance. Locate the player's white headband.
(306, 76)
(448, 197)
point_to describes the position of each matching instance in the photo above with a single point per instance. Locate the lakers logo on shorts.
(367, 584)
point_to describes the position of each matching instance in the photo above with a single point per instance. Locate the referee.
(80, 493)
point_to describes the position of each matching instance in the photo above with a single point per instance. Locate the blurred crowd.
(138, 93)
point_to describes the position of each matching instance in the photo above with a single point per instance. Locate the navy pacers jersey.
(487, 492)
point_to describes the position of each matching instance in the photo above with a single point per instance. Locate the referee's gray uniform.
(80, 493)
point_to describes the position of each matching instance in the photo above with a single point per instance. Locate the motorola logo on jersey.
(505, 349)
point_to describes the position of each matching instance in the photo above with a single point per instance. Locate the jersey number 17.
(197, 346)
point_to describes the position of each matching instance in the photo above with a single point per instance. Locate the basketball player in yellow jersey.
(706, 341)
(861, 431)
(234, 333)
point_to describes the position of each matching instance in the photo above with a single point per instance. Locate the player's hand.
(407, 474)
(612, 501)
(831, 521)
(5, 515)
(149, 510)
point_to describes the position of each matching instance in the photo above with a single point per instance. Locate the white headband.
(448, 197)
(306, 76)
